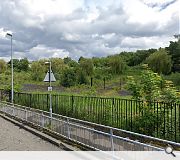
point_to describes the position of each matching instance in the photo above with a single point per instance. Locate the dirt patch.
(40, 88)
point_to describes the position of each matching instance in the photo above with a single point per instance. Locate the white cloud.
(2, 33)
(42, 51)
(143, 14)
(58, 28)
(146, 42)
(51, 7)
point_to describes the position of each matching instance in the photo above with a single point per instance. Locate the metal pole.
(111, 138)
(50, 96)
(12, 75)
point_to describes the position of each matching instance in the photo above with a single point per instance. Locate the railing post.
(112, 112)
(42, 119)
(72, 104)
(111, 138)
(68, 129)
(26, 114)
(30, 104)
(13, 110)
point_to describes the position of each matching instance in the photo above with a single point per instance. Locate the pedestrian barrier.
(82, 132)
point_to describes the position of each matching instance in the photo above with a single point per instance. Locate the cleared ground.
(13, 138)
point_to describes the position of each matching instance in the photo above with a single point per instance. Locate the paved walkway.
(13, 138)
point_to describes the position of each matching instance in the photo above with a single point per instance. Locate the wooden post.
(104, 82)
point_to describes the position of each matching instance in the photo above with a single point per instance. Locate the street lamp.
(12, 74)
(50, 89)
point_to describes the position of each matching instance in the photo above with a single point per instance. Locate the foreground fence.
(76, 130)
(156, 119)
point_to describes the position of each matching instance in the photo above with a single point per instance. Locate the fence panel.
(157, 119)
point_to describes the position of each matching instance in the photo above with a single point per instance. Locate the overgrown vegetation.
(150, 89)
(150, 77)
(108, 73)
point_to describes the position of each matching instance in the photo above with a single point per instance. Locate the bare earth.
(13, 138)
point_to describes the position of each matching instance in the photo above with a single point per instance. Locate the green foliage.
(89, 91)
(169, 92)
(134, 87)
(117, 65)
(38, 70)
(174, 51)
(136, 58)
(160, 62)
(68, 78)
(174, 77)
(150, 88)
(20, 65)
(58, 65)
(73, 64)
(145, 123)
(67, 60)
(23, 64)
(87, 66)
(82, 77)
(100, 62)
(17, 87)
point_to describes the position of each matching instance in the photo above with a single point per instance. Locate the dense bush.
(68, 78)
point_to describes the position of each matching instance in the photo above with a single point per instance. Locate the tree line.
(70, 72)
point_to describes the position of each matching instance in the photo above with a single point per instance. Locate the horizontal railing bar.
(106, 127)
(87, 128)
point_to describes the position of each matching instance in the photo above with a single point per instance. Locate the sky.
(88, 28)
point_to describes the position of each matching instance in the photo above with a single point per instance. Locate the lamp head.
(9, 34)
(47, 62)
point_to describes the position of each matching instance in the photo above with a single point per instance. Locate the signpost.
(50, 78)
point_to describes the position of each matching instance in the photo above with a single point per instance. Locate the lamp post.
(12, 74)
(50, 89)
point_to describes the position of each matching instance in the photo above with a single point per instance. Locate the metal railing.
(79, 131)
(161, 120)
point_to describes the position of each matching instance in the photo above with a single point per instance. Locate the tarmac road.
(14, 138)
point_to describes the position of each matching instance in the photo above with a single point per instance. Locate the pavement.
(15, 138)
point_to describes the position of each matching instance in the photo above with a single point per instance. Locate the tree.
(68, 78)
(15, 64)
(139, 56)
(174, 51)
(87, 66)
(38, 71)
(117, 65)
(73, 64)
(80, 59)
(58, 65)
(81, 77)
(67, 60)
(23, 65)
(3, 66)
(160, 62)
(20, 65)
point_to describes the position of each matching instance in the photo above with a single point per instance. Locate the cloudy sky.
(61, 28)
